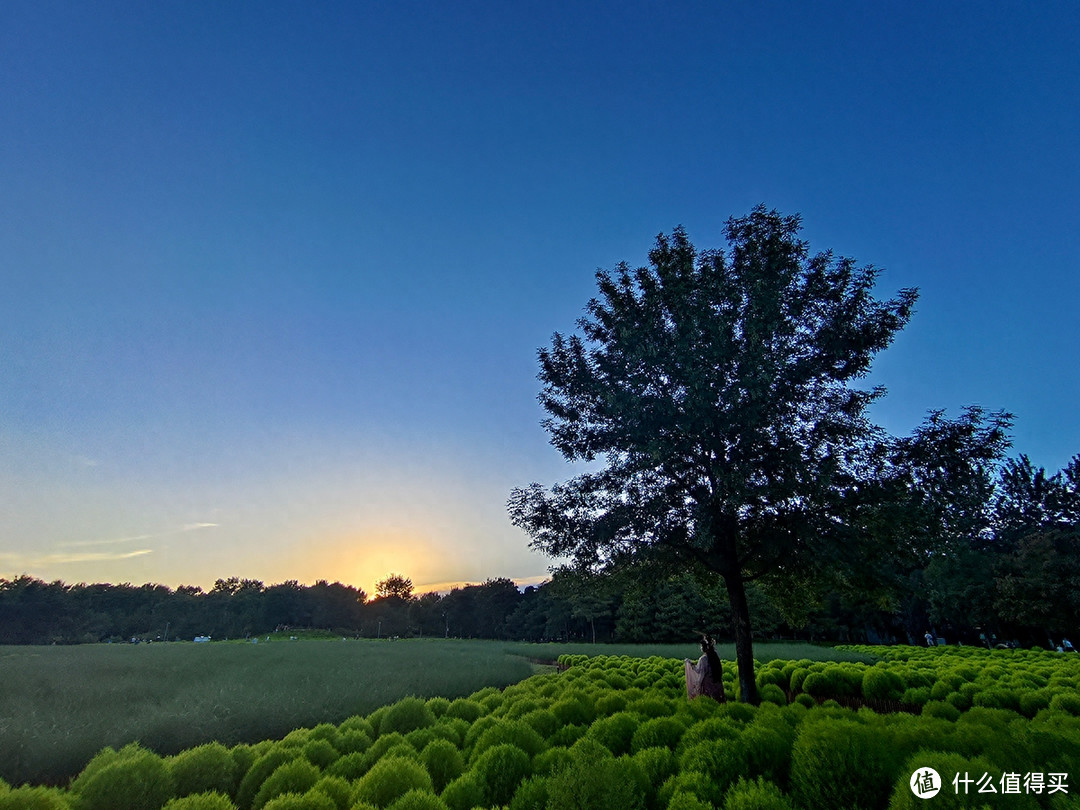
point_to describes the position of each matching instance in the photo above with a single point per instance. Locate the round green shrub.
(997, 698)
(604, 784)
(320, 753)
(353, 741)
(472, 734)
(259, 771)
(464, 793)
(348, 766)
(1066, 702)
(244, 756)
(136, 779)
(465, 709)
(756, 795)
(567, 735)
(201, 801)
(573, 711)
(543, 721)
(657, 764)
(940, 690)
(357, 723)
(609, 703)
(514, 732)
(817, 684)
(692, 783)
(552, 760)
(652, 707)
(771, 693)
(438, 705)
(419, 800)
(390, 778)
(660, 731)
(500, 770)
(421, 737)
(684, 800)
(879, 683)
(532, 794)
(337, 788)
(916, 695)
(722, 764)
(589, 751)
(958, 699)
(297, 776)
(204, 769)
(805, 700)
(942, 709)
(443, 761)
(408, 714)
(767, 744)
(328, 732)
(312, 800)
(615, 731)
(382, 746)
(1031, 703)
(798, 678)
(34, 798)
(838, 763)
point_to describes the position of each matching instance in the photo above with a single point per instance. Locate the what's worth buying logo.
(925, 783)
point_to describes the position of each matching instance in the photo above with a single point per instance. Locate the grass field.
(60, 705)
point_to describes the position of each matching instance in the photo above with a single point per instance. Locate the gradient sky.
(273, 275)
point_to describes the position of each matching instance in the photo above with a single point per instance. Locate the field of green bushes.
(61, 705)
(618, 732)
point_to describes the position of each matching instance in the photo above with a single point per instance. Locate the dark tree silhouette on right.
(716, 389)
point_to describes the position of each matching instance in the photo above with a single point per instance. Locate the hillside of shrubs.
(619, 732)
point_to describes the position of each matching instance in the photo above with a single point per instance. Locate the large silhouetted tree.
(716, 389)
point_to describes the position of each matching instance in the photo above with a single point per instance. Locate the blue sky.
(274, 275)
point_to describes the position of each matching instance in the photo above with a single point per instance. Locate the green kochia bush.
(390, 778)
(500, 770)
(418, 800)
(337, 789)
(660, 731)
(514, 732)
(297, 776)
(408, 714)
(879, 683)
(615, 732)
(204, 769)
(130, 779)
(757, 795)
(258, 773)
(464, 793)
(33, 798)
(296, 801)
(841, 763)
(201, 801)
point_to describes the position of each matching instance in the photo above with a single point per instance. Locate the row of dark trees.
(1013, 579)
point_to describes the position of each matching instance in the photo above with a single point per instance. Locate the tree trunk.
(744, 642)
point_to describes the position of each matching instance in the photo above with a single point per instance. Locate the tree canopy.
(716, 388)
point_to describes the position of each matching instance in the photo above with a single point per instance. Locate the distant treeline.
(1013, 578)
(36, 612)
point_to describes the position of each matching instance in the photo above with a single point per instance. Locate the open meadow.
(60, 705)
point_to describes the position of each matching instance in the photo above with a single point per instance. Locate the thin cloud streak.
(190, 527)
(61, 558)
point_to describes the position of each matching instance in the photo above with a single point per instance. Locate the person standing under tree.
(706, 677)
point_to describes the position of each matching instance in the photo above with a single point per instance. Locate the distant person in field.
(706, 676)
(929, 639)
